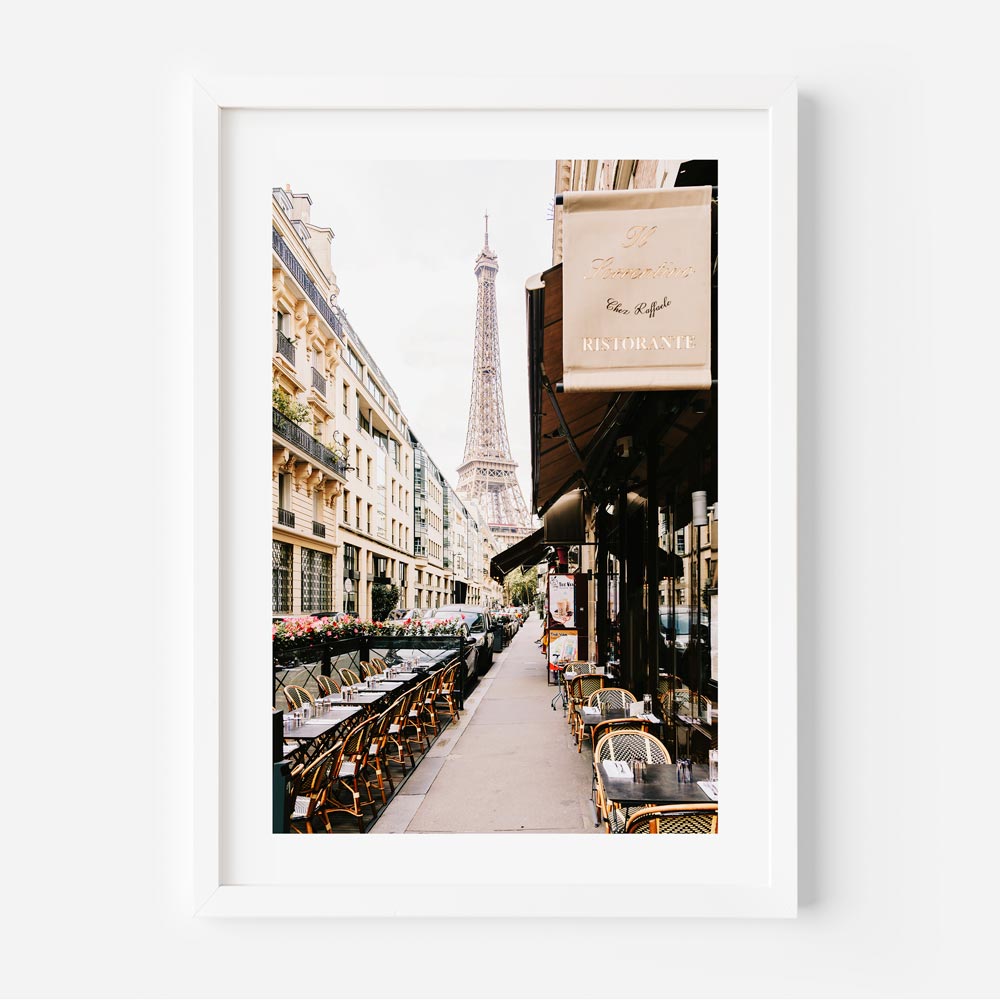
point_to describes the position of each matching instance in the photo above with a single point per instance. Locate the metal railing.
(298, 272)
(286, 517)
(294, 434)
(319, 382)
(319, 529)
(285, 347)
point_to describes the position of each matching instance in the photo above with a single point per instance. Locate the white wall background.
(897, 521)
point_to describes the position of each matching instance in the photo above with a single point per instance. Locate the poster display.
(562, 602)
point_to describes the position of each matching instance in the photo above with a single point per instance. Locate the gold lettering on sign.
(670, 342)
(604, 267)
(638, 236)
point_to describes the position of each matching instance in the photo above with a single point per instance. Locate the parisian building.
(343, 464)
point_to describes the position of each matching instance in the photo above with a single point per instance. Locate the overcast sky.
(407, 235)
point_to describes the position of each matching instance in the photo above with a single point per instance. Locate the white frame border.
(779, 98)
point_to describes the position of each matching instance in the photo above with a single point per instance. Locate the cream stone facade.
(356, 499)
(342, 503)
(432, 585)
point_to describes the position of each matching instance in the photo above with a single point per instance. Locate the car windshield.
(683, 621)
(472, 620)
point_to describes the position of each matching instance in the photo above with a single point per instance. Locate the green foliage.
(287, 406)
(519, 586)
(384, 599)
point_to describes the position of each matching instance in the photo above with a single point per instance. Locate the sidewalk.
(508, 766)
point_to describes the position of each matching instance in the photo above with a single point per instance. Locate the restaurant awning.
(566, 428)
(528, 552)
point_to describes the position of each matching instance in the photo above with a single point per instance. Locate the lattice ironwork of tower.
(486, 475)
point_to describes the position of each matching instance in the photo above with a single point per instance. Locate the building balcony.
(298, 272)
(319, 382)
(295, 435)
(286, 517)
(286, 348)
(319, 530)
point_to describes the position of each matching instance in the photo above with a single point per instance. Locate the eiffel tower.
(486, 476)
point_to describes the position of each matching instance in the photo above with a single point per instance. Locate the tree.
(519, 586)
(384, 599)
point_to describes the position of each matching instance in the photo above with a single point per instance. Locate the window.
(374, 389)
(357, 514)
(318, 513)
(281, 578)
(357, 462)
(285, 515)
(347, 401)
(347, 509)
(352, 560)
(369, 522)
(354, 362)
(317, 580)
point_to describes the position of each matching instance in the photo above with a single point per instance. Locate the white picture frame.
(771, 892)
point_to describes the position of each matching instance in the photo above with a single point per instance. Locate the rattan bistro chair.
(309, 790)
(580, 689)
(349, 676)
(347, 776)
(377, 761)
(628, 745)
(602, 729)
(397, 746)
(296, 696)
(614, 699)
(687, 818)
(446, 692)
(327, 685)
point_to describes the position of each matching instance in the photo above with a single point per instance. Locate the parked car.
(478, 624)
(416, 614)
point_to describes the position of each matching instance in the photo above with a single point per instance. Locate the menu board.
(562, 602)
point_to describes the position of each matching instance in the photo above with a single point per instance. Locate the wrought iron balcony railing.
(319, 530)
(319, 383)
(285, 347)
(286, 517)
(294, 434)
(298, 272)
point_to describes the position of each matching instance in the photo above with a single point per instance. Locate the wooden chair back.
(327, 685)
(295, 696)
(617, 699)
(630, 744)
(686, 818)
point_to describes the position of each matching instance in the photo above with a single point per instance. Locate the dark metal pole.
(624, 580)
(601, 582)
(652, 558)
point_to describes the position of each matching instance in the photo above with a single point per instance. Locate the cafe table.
(390, 684)
(590, 716)
(365, 696)
(660, 786)
(318, 726)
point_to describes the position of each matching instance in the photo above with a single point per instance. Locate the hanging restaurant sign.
(637, 289)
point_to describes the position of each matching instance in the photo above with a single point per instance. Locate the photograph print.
(494, 482)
